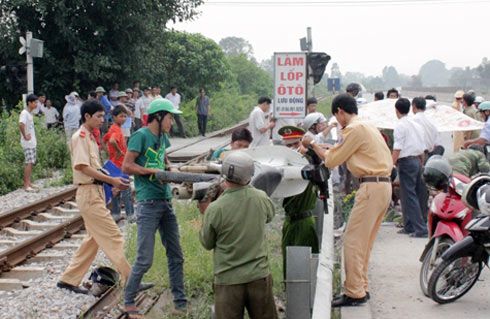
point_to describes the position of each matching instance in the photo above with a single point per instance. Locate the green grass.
(325, 106)
(198, 264)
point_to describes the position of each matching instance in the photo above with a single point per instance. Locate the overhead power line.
(339, 3)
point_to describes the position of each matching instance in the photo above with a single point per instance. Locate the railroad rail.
(26, 249)
(17, 214)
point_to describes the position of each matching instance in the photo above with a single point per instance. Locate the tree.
(484, 72)
(268, 66)
(416, 81)
(434, 73)
(87, 43)
(251, 78)
(234, 46)
(190, 62)
(462, 78)
(391, 76)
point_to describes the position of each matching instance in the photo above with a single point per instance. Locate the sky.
(359, 37)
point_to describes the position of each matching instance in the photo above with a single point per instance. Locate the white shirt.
(257, 121)
(431, 135)
(139, 107)
(113, 94)
(50, 115)
(40, 108)
(175, 99)
(318, 138)
(146, 101)
(408, 138)
(27, 118)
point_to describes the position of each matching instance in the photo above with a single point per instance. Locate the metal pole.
(309, 42)
(30, 65)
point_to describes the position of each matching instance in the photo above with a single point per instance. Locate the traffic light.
(318, 62)
(15, 75)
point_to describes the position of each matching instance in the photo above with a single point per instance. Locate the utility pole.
(309, 43)
(33, 48)
(30, 65)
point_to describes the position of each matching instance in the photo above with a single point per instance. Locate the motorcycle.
(462, 263)
(446, 223)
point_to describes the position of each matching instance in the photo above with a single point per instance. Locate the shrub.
(227, 109)
(52, 152)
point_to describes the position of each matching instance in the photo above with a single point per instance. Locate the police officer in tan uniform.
(101, 229)
(367, 156)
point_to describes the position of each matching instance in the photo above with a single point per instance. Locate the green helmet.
(485, 106)
(99, 89)
(162, 105)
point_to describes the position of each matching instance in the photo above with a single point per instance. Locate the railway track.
(33, 231)
(27, 231)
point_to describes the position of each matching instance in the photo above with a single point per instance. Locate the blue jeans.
(412, 190)
(128, 203)
(153, 215)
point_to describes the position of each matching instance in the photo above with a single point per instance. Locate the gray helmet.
(238, 167)
(313, 118)
(437, 172)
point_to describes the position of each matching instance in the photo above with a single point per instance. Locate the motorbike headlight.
(460, 188)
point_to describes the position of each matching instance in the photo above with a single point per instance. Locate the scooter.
(447, 218)
(462, 263)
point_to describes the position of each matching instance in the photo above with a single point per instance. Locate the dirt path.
(395, 291)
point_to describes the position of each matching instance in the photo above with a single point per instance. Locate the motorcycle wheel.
(453, 278)
(426, 269)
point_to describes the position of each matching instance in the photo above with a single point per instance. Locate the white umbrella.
(446, 119)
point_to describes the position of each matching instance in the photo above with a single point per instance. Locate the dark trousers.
(178, 120)
(230, 301)
(413, 195)
(201, 123)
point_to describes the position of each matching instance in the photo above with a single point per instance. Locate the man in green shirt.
(471, 161)
(145, 157)
(299, 228)
(234, 226)
(469, 110)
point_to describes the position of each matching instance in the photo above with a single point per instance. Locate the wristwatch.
(312, 143)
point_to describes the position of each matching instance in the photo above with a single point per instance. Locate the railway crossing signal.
(318, 62)
(15, 75)
(33, 48)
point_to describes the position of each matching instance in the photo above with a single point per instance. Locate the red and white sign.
(290, 72)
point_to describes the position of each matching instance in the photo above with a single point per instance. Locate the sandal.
(402, 231)
(133, 314)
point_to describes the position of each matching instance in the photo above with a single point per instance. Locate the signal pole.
(33, 48)
(310, 83)
(30, 65)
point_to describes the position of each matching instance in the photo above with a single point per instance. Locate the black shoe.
(145, 286)
(368, 296)
(346, 301)
(418, 235)
(75, 289)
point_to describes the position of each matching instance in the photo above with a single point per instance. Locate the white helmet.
(313, 118)
(479, 99)
(238, 167)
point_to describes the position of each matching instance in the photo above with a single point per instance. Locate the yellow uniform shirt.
(363, 149)
(84, 151)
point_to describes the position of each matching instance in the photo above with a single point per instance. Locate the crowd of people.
(235, 214)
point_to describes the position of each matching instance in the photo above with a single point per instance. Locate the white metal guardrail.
(323, 294)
